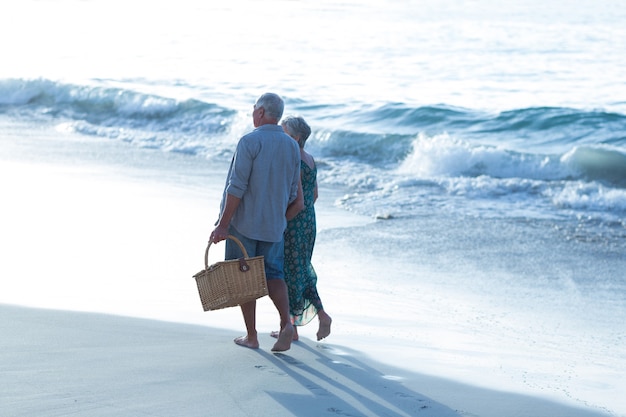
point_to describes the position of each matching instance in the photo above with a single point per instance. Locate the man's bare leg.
(250, 340)
(277, 290)
(295, 337)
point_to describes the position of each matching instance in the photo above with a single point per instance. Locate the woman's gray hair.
(273, 105)
(298, 127)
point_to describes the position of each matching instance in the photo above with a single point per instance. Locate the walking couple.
(268, 204)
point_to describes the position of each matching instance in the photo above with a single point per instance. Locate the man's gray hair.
(297, 126)
(273, 105)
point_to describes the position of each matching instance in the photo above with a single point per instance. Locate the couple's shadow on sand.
(334, 381)
(69, 363)
(337, 383)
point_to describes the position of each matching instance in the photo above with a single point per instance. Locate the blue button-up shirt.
(264, 174)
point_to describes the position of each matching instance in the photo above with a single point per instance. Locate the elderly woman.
(300, 277)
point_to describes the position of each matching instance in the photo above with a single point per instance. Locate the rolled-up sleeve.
(240, 172)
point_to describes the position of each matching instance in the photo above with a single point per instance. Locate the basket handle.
(243, 266)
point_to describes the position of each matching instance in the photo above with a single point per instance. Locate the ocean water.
(483, 142)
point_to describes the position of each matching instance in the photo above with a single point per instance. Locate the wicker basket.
(233, 282)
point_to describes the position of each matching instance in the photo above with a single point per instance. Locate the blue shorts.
(273, 253)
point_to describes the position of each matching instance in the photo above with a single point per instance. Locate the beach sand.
(57, 363)
(99, 314)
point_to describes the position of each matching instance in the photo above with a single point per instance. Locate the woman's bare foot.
(295, 337)
(285, 338)
(247, 342)
(324, 329)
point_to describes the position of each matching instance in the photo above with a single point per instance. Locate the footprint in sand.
(269, 369)
(290, 360)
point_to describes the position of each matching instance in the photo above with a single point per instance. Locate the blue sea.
(482, 142)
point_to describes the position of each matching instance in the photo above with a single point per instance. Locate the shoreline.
(94, 236)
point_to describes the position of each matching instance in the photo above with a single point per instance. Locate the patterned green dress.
(301, 279)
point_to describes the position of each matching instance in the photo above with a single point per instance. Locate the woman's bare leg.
(325, 322)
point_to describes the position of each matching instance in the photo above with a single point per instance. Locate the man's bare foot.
(295, 337)
(246, 342)
(284, 339)
(324, 329)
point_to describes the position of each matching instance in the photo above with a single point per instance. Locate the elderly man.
(262, 183)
